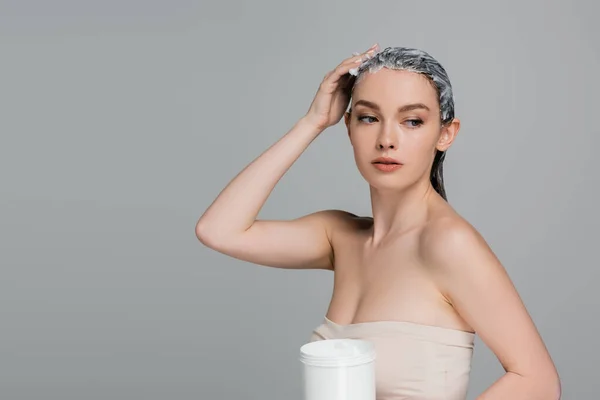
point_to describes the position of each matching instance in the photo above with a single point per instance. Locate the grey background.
(122, 120)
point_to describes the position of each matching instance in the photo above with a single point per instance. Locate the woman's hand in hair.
(332, 98)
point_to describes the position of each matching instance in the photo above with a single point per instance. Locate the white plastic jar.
(338, 369)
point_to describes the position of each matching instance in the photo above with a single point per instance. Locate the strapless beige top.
(413, 361)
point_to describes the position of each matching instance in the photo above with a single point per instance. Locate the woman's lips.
(386, 164)
(387, 167)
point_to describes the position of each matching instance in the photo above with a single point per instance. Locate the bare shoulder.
(450, 237)
(339, 221)
(456, 253)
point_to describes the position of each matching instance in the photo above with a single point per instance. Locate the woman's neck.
(395, 212)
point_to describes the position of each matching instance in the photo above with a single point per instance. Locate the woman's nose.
(385, 145)
(387, 140)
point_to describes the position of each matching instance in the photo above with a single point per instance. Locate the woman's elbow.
(556, 391)
(549, 387)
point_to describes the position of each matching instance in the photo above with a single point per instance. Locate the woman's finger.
(344, 68)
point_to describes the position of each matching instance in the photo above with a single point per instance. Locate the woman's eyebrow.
(404, 108)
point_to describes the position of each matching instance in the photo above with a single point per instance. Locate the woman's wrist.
(306, 124)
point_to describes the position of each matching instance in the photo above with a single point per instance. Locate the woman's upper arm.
(301, 243)
(479, 288)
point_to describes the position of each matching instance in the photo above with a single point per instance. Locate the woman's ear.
(448, 134)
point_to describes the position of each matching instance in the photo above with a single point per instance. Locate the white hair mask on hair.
(414, 60)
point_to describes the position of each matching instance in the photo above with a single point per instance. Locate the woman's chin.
(383, 181)
(385, 184)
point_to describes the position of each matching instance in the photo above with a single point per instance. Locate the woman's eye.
(414, 123)
(362, 119)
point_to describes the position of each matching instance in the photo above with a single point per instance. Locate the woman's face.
(396, 114)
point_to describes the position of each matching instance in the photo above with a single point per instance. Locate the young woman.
(416, 278)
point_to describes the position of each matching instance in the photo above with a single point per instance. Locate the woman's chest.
(384, 283)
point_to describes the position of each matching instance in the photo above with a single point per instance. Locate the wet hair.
(419, 61)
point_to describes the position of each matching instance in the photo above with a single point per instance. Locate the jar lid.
(337, 353)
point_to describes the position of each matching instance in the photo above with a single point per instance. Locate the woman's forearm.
(516, 387)
(238, 204)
